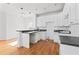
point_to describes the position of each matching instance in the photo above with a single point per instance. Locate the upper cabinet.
(59, 19)
(66, 15)
(73, 12)
(70, 13)
(77, 12)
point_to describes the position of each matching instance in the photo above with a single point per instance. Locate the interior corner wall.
(2, 25)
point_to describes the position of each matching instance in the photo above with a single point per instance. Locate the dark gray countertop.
(31, 30)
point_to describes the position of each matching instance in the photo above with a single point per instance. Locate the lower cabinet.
(42, 35)
(35, 37)
(65, 39)
(70, 40)
(56, 38)
(23, 40)
(68, 50)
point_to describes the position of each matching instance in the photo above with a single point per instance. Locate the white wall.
(11, 19)
(2, 25)
(26, 21)
(7, 21)
(11, 25)
(56, 18)
(17, 20)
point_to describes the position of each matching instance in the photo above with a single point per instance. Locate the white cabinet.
(63, 18)
(66, 15)
(75, 29)
(42, 35)
(68, 50)
(59, 19)
(73, 12)
(56, 38)
(72, 9)
(69, 13)
(35, 37)
(77, 10)
(23, 40)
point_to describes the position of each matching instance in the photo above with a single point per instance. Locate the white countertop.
(74, 35)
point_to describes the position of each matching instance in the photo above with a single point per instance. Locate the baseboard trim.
(2, 39)
(12, 39)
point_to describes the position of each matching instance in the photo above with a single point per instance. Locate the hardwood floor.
(43, 47)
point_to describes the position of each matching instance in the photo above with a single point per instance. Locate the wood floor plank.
(43, 47)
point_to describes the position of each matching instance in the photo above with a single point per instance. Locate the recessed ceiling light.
(21, 8)
(55, 4)
(29, 12)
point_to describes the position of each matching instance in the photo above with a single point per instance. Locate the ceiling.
(36, 8)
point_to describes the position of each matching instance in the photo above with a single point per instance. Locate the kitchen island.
(25, 37)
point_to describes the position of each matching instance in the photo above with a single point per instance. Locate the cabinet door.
(66, 14)
(25, 40)
(77, 12)
(74, 29)
(69, 50)
(65, 39)
(60, 19)
(73, 13)
(35, 37)
(42, 35)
